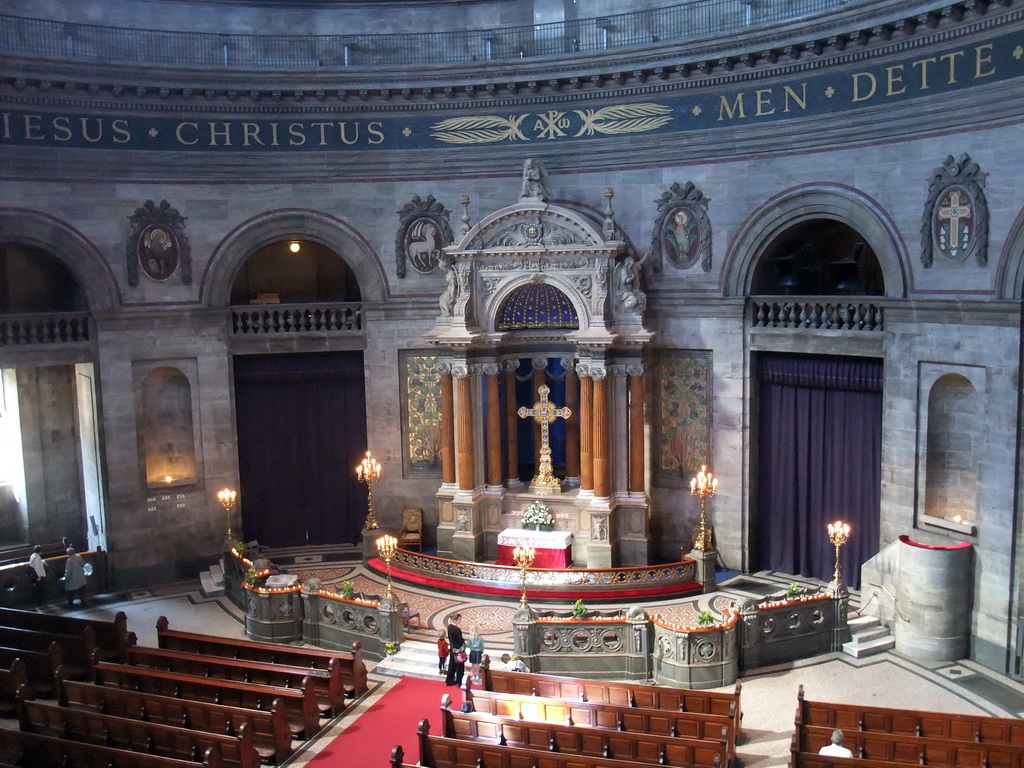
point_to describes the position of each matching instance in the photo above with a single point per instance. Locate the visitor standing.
(442, 651)
(476, 652)
(74, 577)
(457, 652)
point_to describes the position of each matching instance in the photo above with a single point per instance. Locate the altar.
(553, 549)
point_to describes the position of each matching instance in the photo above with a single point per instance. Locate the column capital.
(510, 365)
(635, 369)
(490, 369)
(443, 367)
(539, 363)
(461, 370)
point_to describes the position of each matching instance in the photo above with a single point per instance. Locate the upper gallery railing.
(296, 318)
(694, 20)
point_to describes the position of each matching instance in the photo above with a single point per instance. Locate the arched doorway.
(818, 416)
(300, 415)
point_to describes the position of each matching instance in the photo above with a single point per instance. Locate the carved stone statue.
(627, 286)
(451, 289)
(535, 180)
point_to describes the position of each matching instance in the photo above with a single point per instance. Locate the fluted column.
(464, 429)
(494, 453)
(572, 427)
(586, 432)
(636, 428)
(511, 424)
(447, 426)
(602, 474)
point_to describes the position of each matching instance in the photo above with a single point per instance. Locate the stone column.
(636, 428)
(586, 434)
(572, 427)
(464, 468)
(602, 474)
(494, 454)
(511, 425)
(447, 425)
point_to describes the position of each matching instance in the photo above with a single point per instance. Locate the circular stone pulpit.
(933, 609)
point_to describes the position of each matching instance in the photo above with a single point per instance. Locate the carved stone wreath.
(157, 244)
(682, 230)
(955, 219)
(424, 230)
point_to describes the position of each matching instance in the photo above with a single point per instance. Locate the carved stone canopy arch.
(537, 242)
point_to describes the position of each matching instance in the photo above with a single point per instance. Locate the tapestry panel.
(421, 403)
(682, 430)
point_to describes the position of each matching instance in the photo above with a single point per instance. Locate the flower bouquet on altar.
(537, 515)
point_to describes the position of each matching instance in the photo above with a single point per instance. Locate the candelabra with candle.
(703, 485)
(227, 499)
(386, 547)
(838, 534)
(368, 471)
(523, 558)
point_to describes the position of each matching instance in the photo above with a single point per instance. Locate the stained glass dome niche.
(537, 305)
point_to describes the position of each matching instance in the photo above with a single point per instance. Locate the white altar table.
(553, 549)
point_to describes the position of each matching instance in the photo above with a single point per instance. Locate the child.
(442, 651)
(476, 652)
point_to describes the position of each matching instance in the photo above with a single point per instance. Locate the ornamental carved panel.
(954, 225)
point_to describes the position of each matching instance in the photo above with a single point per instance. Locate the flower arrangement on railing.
(579, 610)
(390, 648)
(729, 618)
(537, 515)
(705, 618)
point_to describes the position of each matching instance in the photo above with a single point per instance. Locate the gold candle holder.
(703, 485)
(523, 558)
(368, 471)
(838, 534)
(227, 499)
(387, 545)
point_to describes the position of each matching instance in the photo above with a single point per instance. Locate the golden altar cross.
(544, 412)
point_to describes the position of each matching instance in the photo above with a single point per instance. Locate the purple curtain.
(301, 423)
(819, 459)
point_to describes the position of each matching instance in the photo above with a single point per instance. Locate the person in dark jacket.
(457, 646)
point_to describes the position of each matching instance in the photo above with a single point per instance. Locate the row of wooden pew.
(524, 719)
(194, 699)
(879, 737)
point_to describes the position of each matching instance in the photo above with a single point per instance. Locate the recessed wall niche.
(952, 437)
(166, 427)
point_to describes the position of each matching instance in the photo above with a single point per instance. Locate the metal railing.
(694, 20)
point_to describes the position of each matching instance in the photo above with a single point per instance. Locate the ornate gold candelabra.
(386, 547)
(227, 499)
(838, 533)
(523, 558)
(703, 485)
(368, 471)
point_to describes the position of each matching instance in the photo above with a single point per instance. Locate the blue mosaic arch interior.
(537, 305)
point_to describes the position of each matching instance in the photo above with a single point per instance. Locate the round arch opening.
(292, 271)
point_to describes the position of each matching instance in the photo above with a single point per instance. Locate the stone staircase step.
(863, 622)
(208, 585)
(859, 650)
(867, 635)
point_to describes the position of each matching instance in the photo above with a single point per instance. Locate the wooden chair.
(411, 535)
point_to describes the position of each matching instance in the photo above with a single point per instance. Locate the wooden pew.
(15, 555)
(272, 737)
(353, 670)
(111, 636)
(441, 752)
(592, 714)
(593, 742)
(77, 649)
(623, 694)
(40, 666)
(918, 750)
(85, 725)
(38, 751)
(12, 678)
(325, 682)
(854, 717)
(300, 702)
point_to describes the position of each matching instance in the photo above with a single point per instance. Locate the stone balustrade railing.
(817, 313)
(296, 318)
(44, 328)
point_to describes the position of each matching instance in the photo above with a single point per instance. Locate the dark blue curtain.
(527, 396)
(301, 423)
(819, 459)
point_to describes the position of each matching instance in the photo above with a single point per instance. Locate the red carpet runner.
(367, 743)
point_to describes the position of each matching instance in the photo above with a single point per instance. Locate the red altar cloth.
(553, 549)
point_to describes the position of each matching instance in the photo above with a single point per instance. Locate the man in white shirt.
(510, 664)
(836, 748)
(37, 565)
